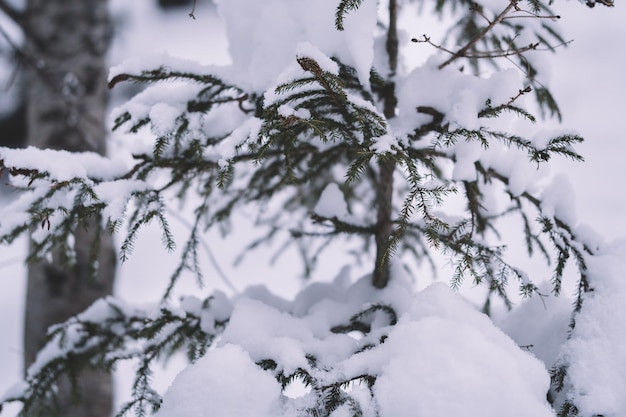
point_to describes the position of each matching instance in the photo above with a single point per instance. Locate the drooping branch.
(342, 226)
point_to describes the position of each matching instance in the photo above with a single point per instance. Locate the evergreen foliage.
(320, 124)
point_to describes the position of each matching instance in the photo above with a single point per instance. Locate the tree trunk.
(386, 167)
(66, 43)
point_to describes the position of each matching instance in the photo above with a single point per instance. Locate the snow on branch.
(266, 346)
(375, 374)
(109, 332)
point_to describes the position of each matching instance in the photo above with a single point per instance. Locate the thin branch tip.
(193, 10)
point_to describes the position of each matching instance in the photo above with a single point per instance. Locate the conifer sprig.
(165, 74)
(331, 389)
(344, 7)
(109, 333)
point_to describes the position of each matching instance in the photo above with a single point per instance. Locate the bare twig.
(426, 39)
(476, 8)
(193, 10)
(521, 92)
(489, 54)
(462, 52)
(526, 70)
(502, 54)
(533, 16)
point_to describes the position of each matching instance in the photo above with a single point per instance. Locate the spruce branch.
(344, 7)
(421, 198)
(194, 228)
(362, 321)
(189, 259)
(114, 334)
(342, 226)
(565, 244)
(489, 111)
(163, 74)
(607, 3)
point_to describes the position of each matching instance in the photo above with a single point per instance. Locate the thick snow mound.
(595, 355)
(224, 383)
(441, 357)
(445, 358)
(261, 49)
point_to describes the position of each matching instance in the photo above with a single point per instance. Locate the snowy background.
(587, 80)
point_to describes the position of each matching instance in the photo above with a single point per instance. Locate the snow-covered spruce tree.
(321, 125)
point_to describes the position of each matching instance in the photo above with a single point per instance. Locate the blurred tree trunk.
(66, 95)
